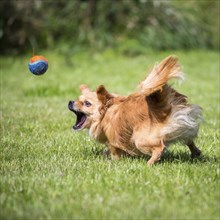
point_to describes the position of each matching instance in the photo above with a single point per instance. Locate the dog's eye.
(87, 104)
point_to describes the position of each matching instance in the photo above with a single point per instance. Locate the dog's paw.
(106, 153)
(196, 154)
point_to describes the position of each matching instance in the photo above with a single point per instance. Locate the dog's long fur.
(146, 121)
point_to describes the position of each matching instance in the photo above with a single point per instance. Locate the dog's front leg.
(116, 153)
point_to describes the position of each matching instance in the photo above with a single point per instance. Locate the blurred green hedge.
(157, 24)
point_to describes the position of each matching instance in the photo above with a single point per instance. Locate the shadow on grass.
(183, 157)
(169, 156)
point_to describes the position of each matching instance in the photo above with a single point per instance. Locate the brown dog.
(144, 122)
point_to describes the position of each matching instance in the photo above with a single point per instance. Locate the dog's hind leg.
(157, 152)
(195, 152)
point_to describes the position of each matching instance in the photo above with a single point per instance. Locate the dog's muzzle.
(80, 116)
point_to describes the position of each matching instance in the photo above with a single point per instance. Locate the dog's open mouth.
(80, 120)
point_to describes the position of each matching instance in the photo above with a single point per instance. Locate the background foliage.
(95, 23)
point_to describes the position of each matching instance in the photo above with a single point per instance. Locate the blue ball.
(38, 65)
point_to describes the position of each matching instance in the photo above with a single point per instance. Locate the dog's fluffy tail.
(167, 69)
(184, 119)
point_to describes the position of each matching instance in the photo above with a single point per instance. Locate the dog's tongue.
(81, 118)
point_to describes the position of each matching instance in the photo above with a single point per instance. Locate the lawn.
(49, 171)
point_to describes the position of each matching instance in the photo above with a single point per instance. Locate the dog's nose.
(70, 105)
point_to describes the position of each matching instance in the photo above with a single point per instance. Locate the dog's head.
(90, 106)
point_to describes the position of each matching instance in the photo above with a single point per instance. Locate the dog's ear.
(103, 95)
(84, 88)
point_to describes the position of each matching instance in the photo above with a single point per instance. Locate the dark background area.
(160, 25)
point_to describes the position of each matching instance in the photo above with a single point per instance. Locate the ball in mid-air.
(38, 65)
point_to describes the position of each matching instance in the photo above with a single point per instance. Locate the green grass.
(49, 171)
